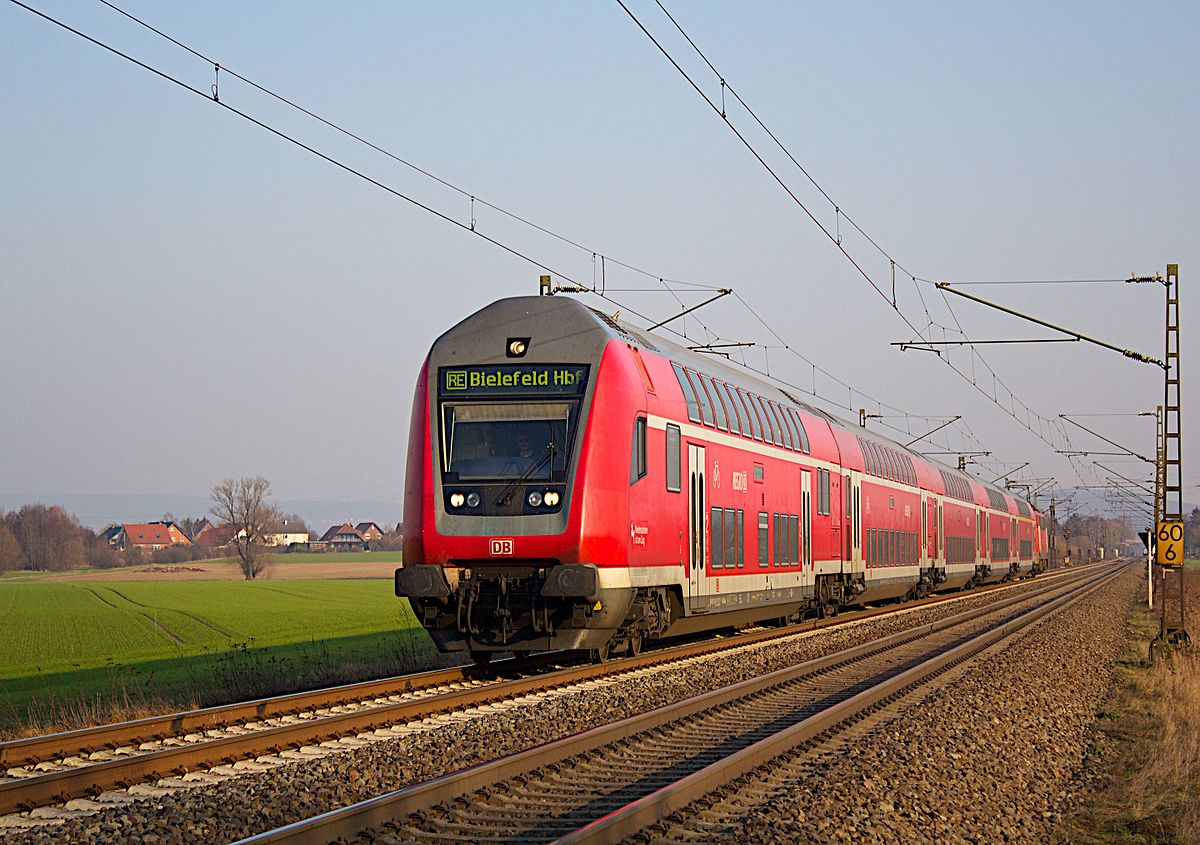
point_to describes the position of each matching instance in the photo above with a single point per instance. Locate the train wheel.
(635, 643)
(481, 658)
(599, 655)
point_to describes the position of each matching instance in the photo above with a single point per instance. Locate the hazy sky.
(185, 297)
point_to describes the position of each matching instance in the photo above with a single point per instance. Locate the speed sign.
(1169, 541)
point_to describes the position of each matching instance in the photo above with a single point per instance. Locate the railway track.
(611, 782)
(53, 769)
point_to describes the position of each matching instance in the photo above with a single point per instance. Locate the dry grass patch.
(1148, 747)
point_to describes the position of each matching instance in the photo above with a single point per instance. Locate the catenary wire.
(1052, 424)
(398, 194)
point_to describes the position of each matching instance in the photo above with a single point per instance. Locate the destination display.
(511, 379)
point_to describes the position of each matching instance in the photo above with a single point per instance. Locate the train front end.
(496, 557)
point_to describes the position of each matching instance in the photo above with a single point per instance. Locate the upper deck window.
(706, 409)
(769, 433)
(784, 427)
(751, 414)
(731, 405)
(715, 400)
(800, 429)
(689, 395)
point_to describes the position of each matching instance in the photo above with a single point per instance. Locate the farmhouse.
(370, 532)
(148, 535)
(215, 535)
(344, 538)
(286, 538)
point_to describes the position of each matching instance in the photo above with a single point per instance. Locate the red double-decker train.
(574, 483)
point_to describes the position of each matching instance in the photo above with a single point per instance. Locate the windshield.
(503, 441)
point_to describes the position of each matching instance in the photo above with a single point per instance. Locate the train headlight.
(473, 500)
(535, 499)
(551, 498)
(457, 499)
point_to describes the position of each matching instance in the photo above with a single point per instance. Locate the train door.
(857, 527)
(697, 525)
(941, 527)
(806, 518)
(931, 523)
(922, 547)
(980, 548)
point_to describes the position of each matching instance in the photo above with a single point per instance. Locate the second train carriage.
(574, 483)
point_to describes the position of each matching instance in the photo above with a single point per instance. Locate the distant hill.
(97, 510)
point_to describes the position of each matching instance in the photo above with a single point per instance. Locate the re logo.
(501, 547)
(456, 380)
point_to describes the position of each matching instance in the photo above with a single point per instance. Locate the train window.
(716, 549)
(764, 537)
(891, 548)
(740, 533)
(760, 412)
(912, 471)
(706, 410)
(772, 422)
(784, 538)
(637, 463)
(759, 473)
(501, 441)
(706, 384)
(870, 547)
(782, 426)
(731, 538)
(780, 435)
(800, 430)
(795, 537)
(689, 395)
(731, 406)
(872, 459)
(893, 470)
(789, 425)
(751, 416)
(768, 434)
(672, 458)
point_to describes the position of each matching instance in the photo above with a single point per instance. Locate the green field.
(283, 558)
(66, 643)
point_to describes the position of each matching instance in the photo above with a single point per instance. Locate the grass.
(1151, 733)
(284, 558)
(70, 651)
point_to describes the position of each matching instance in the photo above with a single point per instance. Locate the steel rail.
(347, 822)
(37, 749)
(675, 797)
(58, 786)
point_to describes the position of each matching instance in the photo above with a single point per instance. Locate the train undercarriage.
(549, 606)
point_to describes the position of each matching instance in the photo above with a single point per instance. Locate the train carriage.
(574, 483)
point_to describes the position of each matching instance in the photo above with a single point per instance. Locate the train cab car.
(573, 483)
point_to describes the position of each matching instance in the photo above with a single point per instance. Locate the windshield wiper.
(506, 494)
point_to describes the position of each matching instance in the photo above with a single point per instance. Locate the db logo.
(501, 547)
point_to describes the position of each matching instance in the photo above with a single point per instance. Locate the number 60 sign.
(1169, 537)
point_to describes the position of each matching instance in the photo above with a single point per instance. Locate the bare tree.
(243, 504)
(11, 556)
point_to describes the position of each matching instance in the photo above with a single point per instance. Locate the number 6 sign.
(1169, 537)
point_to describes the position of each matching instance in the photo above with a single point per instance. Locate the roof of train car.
(618, 329)
(736, 375)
